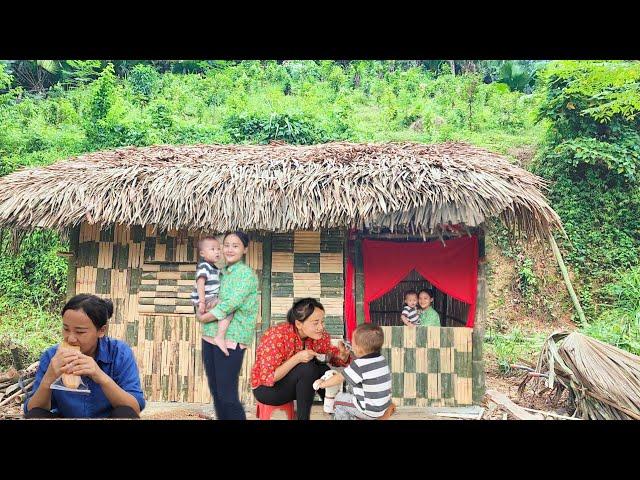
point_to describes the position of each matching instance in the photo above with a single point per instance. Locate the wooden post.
(567, 280)
(359, 277)
(477, 363)
(17, 361)
(266, 281)
(74, 241)
(345, 253)
(445, 310)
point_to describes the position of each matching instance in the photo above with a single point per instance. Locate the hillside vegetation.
(573, 123)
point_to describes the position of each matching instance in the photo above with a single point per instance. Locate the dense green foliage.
(592, 157)
(54, 111)
(50, 110)
(619, 323)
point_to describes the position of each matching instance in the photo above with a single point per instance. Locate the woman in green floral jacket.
(238, 295)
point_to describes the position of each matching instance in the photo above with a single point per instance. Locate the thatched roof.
(278, 188)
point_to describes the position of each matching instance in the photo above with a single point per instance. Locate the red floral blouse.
(281, 342)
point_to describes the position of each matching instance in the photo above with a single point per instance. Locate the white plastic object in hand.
(327, 375)
(330, 392)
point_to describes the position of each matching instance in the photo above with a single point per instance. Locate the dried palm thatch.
(603, 381)
(280, 188)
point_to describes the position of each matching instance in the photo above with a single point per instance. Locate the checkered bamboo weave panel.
(169, 352)
(178, 246)
(430, 366)
(149, 280)
(308, 264)
(166, 288)
(109, 264)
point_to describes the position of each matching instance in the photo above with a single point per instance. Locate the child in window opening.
(205, 292)
(410, 315)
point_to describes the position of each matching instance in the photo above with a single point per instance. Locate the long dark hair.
(99, 310)
(302, 309)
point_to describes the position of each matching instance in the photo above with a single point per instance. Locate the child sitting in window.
(410, 315)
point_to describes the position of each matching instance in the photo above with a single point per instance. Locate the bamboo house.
(354, 225)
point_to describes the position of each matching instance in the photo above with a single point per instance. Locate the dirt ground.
(549, 309)
(181, 411)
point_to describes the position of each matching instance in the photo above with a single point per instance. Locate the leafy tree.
(592, 156)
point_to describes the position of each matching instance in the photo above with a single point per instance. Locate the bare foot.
(220, 343)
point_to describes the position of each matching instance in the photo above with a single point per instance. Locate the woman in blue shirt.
(107, 366)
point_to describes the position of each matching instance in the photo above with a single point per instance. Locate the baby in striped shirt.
(205, 292)
(368, 375)
(410, 315)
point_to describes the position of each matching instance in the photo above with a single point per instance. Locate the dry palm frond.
(603, 380)
(280, 187)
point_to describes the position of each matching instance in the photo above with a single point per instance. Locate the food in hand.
(68, 379)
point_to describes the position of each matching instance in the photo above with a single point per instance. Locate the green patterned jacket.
(238, 295)
(429, 317)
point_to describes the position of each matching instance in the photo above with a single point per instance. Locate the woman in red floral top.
(286, 359)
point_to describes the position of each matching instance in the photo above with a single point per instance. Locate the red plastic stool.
(264, 412)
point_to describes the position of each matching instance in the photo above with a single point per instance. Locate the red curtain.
(452, 268)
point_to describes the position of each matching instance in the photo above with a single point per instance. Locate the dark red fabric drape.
(451, 268)
(349, 302)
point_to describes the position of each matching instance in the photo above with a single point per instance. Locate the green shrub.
(36, 274)
(254, 128)
(592, 155)
(527, 280)
(143, 81)
(619, 323)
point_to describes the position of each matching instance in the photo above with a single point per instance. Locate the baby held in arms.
(410, 315)
(205, 292)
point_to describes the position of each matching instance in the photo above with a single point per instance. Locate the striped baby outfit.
(370, 379)
(211, 284)
(412, 314)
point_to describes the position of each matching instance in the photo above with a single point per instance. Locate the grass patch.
(29, 329)
(513, 347)
(619, 324)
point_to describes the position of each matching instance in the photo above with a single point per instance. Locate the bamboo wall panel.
(171, 367)
(149, 277)
(430, 366)
(308, 264)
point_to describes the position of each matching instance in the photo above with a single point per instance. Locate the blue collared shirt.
(116, 359)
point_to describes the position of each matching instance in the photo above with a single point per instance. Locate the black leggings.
(295, 385)
(117, 412)
(222, 374)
